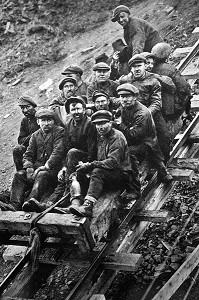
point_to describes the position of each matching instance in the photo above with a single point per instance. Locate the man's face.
(68, 89)
(138, 69)
(101, 103)
(127, 100)
(149, 64)
(77, 111)
(28, 110)
(123, 18)
(46, 123)
(103, 127)
(102, 75)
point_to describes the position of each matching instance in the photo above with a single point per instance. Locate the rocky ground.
(39, 38)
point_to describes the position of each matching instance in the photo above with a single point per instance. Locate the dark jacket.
(173, 103)
(81, 90)
(27, 127)
(48, 149)
(137, 124)
(109, 87)
(82, 136)
(113, 152)
(149, 88)
(140, 36)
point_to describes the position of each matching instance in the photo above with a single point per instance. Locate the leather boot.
(34, 205)
(163, 174)
(84, 210)
(75, 203)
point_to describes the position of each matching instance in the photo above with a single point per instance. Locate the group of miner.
(95, 135)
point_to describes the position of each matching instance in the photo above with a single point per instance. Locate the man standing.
(28, 126)
(139, 35)
(76, 72)
(150, 95)
(102, 82)
(41, 163)
(137, 125)
(112, 167)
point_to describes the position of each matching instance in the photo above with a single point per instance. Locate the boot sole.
(75, 211)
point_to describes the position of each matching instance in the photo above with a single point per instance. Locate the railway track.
(116, 253)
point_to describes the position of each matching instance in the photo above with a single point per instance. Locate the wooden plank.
(181, 52)
(195, 103)
(155, 216)
(181, 174)
(196, 31)
(182, 65)
(123, 261)
(184, 137)
(11, 298)
(179, 276)
(51, 224)
(186, 163)
(104, 213)
(193, 138)
(98, 297)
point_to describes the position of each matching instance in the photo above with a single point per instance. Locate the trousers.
(20, 185)
(18, 152)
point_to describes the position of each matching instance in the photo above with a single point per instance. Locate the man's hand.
(116, 56)
(42, 168)
(61, 174)
(29, 173)
(83, 166)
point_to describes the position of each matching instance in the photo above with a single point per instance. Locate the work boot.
(75, 202)
(34, 205)
(84, 210)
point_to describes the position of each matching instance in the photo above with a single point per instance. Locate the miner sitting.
(102, 82)
(136, 123)
(111, 169)
(27, 127)
(102, 101)
(76, 72)
(68, 89)
(41, 163)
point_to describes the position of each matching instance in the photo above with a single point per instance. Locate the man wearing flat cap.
(27, 127)
(80, 143)
(68, 89)
(102, 101)
(41, 163)
(137, 125)
(76, 72)
(150, 95)
(111, 168)
(102, 82)
(139, 35)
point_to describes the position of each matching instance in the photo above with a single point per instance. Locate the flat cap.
(147, 55)
(76, 99)
(67, 79)
(26, 100)
(101, 66)
(44, 112)
(127, 88)
(118, 10)
(101, 116)
(72, 69)
(101, 58)
(136, 59)
(161, 50)
(97, 94)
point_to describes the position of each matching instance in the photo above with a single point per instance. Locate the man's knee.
(72, 153)
(19, 149)
(100, 173)
(42, 174)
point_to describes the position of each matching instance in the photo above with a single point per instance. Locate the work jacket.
(27, 127)
(112, 152)
(137, 124)
(173, 103)
(82, 136)
(140, 36)
(44, 149)
(149, 90)
(109, 87)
